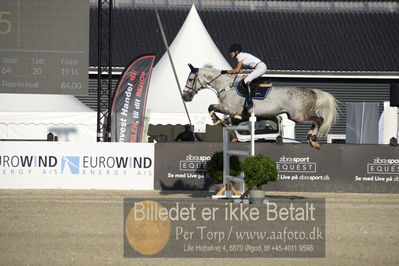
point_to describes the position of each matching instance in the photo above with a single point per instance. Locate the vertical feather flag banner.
(130, 99)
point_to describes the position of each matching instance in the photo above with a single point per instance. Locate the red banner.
(130, 99)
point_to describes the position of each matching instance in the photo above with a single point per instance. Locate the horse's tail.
(326, 107)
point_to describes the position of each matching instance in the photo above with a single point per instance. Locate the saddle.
(259, 88)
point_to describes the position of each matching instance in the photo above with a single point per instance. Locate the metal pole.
(110, 71)
(225, 156)
(226, 163)
(253, 120)
(99, 73)
(171, 61)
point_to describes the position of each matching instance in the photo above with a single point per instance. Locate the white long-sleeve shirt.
(248, 59)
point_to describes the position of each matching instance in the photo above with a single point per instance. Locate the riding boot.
(248, 99)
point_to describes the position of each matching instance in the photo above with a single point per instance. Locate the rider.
(246, 59)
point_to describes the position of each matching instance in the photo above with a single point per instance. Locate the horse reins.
(202, 85)
(224, 89)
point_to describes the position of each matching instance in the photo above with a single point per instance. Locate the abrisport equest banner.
(205, 228)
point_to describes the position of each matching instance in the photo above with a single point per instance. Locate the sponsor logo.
(194, 163)
(296, 165)
(383, 166)
(71, 163)
(17, 161)
(75, 165)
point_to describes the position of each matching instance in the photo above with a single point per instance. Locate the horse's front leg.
(220, 108)
(212, 109)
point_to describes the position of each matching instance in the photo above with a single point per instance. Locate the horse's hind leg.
(312, 134)
(312, 139)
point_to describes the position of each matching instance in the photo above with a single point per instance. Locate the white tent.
(33, 116)
(191, 45)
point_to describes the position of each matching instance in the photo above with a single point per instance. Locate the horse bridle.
(203, 86)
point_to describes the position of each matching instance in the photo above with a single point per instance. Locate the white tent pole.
(171, 61)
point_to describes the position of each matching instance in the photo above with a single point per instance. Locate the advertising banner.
(130, 98)
(333, 168)
(183, 166)
(303, 168)
(374, 169)
(52, 165)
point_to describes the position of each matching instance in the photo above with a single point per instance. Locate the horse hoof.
(250, 109)
(315, 145)
(239, 117)
(225, 123)
(217, 122)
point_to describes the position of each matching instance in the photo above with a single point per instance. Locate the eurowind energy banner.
(130, 98)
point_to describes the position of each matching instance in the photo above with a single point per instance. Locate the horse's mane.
(208, 65)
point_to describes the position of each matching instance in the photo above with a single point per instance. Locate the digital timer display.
(44, 46)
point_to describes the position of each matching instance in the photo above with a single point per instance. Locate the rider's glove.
(223, 72)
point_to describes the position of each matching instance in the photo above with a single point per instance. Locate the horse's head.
(200, 78)
(192, 85)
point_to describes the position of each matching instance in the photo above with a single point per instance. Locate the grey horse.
(310, 106)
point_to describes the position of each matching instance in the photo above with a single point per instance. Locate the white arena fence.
(62, 165)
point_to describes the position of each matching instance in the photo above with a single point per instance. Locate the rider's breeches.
(259, 70)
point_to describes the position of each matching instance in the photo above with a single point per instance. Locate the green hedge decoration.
(215, 166)
(259, 170)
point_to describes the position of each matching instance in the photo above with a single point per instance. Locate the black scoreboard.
(44, 46)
